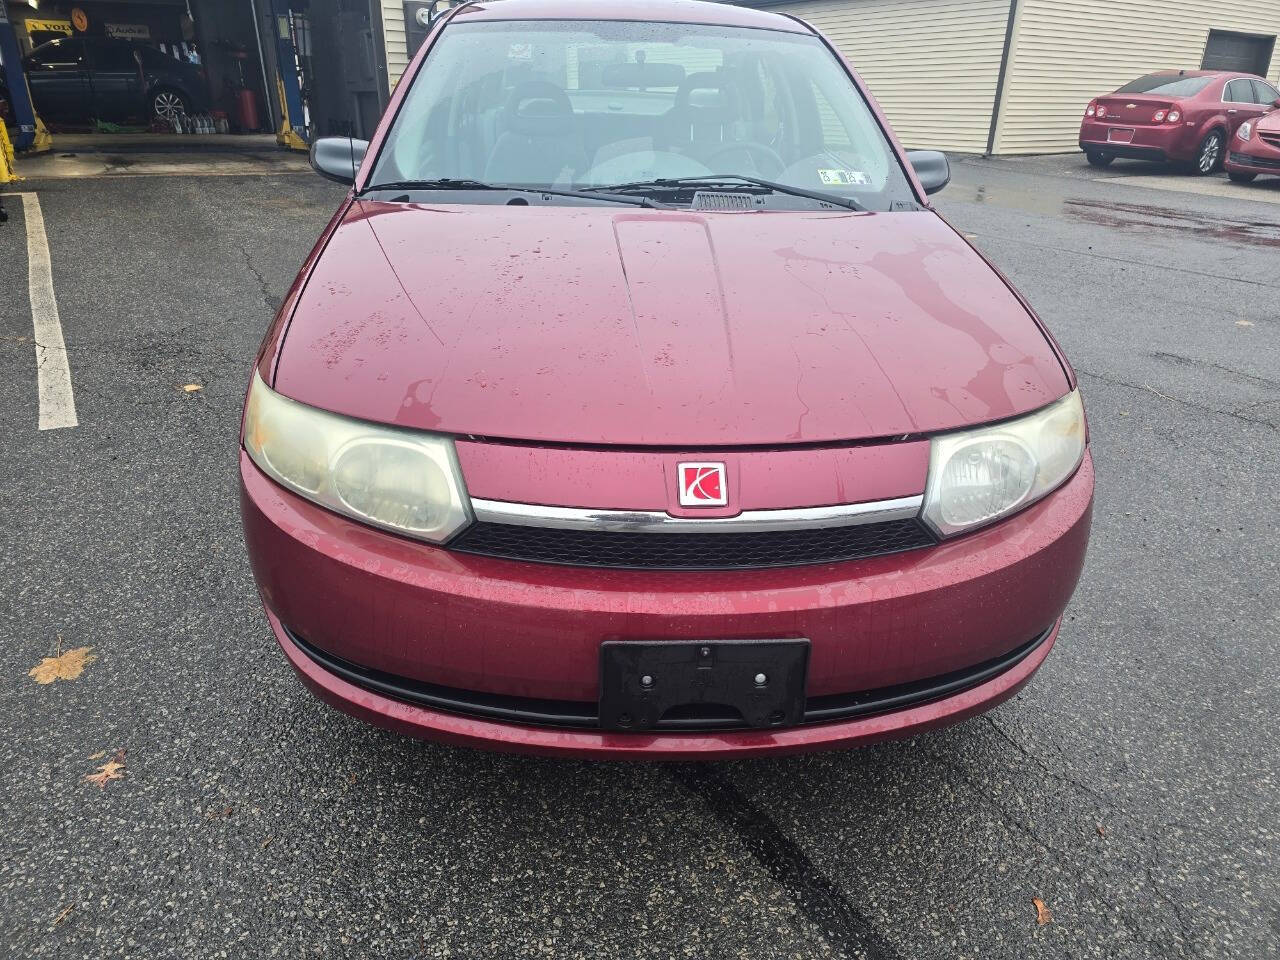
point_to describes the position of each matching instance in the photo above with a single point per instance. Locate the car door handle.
(1233, 111)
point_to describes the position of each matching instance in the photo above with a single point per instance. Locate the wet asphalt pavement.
(1132, 786)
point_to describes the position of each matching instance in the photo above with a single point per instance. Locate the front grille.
(692, 551)
(580, 714)
(1245, 160)
(1271, 138)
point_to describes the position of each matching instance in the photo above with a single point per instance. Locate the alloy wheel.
(1210, 150)
(168, 105)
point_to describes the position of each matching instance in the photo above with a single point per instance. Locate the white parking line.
(53, 375)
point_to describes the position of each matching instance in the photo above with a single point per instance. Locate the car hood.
(618, 325)
(1270, 123)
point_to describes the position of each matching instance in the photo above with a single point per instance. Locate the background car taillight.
(1159, 117)
(1091, 110)
(1174, 116)
(1102, 111)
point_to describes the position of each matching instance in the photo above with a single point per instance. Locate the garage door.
(1243, 52)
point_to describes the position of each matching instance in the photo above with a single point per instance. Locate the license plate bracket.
(1120, 135)
(640, 681)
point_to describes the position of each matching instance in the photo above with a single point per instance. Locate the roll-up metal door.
(1247, 53)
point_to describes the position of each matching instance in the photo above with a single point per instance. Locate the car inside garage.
(106, 68)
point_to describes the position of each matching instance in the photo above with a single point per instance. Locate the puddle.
(1129, 217)
(1142, 218)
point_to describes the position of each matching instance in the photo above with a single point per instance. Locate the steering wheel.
(756, 152)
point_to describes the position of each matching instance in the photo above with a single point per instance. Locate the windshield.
(1167, 85)
(583, 104)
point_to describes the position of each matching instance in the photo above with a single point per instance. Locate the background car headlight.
(977, 476)
(400, 480)
(1245, 131)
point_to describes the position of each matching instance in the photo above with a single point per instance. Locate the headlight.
(1245, 131)
(977, 476)
(400, 480)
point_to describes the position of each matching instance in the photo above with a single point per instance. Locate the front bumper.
(516, 632)
(1253, 156)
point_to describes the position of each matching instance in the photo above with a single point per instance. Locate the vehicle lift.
(292, 132)
(32, 135)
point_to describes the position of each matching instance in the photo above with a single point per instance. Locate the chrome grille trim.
(652, 521)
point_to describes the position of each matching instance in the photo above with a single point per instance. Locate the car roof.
(669, 11)
(1198, 73)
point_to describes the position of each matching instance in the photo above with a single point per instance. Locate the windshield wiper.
(449, 183)
(719, 179)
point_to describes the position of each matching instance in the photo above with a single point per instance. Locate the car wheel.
(1241, 177)
(1098, 159)
(168, 104)
(1209, 156)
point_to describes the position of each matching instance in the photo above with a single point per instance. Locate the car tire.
(1208, 155)
(167, 103)
(1098, 159)
(1239, 176)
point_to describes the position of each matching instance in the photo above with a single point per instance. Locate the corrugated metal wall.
(1066, 52)
(932, 64)
(397, 46)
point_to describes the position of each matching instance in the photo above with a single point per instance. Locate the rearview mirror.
(338, 158)
(932, 168)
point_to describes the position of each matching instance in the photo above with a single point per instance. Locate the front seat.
(706, 115)
(540, 142)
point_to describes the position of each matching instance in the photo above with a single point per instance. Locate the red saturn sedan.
(637, 403)
(1255, 149)
(1180, 115)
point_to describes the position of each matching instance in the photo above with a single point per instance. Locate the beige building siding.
(397, 45)
(932, 64)
(1066, 52)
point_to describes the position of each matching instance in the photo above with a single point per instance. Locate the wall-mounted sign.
(47, 26)
(79, 19)
(128, 31)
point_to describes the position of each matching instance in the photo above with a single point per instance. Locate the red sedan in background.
(1185, 116)
(1255, 149)
(637, 403)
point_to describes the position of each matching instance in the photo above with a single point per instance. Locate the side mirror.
(932, 169)
(1276, 102)
(338, 158)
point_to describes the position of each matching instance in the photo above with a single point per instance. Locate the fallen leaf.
(266, 843)
(113, 769)
(63, 915)
(1102, 831)
(99, 755)
(1043, 913)
(1244, 323)
(192, 387)
(66, 666)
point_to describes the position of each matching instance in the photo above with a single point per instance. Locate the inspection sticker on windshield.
(520, 51)
(843, 178)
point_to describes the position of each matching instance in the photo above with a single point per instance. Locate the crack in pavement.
(819, 899)
(268, 300)
(1044, 766)
(1256, 421)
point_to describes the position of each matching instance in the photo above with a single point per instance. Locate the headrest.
(538, 108)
